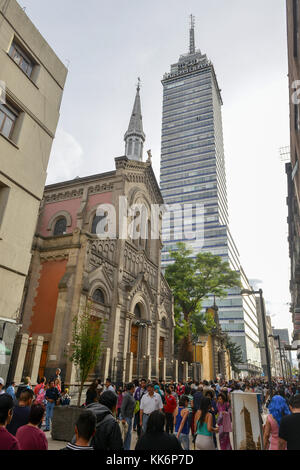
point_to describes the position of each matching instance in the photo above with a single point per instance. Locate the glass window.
(98, 296)
(95, 223)
(137, 311)
(60, 227)
(20, 57)
(7, 120)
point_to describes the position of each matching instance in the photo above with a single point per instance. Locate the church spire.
(135, 137)
(192, 35)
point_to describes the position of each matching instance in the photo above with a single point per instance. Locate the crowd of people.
(165, 416)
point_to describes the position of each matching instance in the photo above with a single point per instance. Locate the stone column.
(163, 368)
(129, 366)
(185, 371)
(106, 363)
(148, 367)
(175, 371)
(37, 346)
(156, 357)
(19, 359)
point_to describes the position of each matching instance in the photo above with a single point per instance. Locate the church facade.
(76, 262)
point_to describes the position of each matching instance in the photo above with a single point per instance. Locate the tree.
(191, 280)
(86, 344)
(236, 353)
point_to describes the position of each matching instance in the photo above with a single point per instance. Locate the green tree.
(86, 347)
(192, 280)
(236, 353)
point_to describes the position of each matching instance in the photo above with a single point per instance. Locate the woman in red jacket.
(169, 409)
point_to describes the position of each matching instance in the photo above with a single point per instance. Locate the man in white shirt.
(150, 402)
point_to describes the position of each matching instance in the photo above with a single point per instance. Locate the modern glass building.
(193, 172)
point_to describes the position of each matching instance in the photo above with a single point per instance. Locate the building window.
(8, 117)
(60, 227)
(21, 59)
(137, 312)
(130, 147)
(96, 220)
(98, 296)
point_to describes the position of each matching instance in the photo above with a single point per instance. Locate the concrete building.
(77, 260)
(32, 80)
(292, 168)
(193, 173)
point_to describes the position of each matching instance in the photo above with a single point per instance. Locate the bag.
(40, 399)
(124, 430)
(137, 407)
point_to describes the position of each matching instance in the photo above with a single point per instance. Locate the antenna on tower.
(192, 34)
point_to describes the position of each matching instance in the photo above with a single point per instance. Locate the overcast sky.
(109, 44)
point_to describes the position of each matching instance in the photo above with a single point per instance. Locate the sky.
(108, 45)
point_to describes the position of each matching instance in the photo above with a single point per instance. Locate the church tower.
(135, 137)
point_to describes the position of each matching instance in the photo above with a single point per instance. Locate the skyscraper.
(193, 172)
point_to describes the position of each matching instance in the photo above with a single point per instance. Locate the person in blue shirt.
(11, 390)
(52, 396)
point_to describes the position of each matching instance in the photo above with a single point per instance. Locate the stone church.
(120, 277)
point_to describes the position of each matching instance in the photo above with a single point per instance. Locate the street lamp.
(264, 323)
(277, 337)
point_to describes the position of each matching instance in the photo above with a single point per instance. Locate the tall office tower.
(193, 172)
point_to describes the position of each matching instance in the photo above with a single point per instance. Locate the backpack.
(40, 399)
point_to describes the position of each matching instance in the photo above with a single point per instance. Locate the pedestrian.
(92, 393)
(127, 413)
(57, 383)
(197, 397)
(169, 409)
(289, 435)
(2, 383)
(40, 386)
(120, 394)
(188, 393)
(85, 429)
(7, 440)
(65, 398)
(108, 434)
(138, 395)
(150, 402)
(203, 426)
(180, 389)
(21, 412)
(52, 397)
(155, 438)
(109, 386)
(277, 409)
(30, 436)
(11, 390)
(181, 421)
(224, 422)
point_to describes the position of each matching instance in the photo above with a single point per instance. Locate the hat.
(1, 381)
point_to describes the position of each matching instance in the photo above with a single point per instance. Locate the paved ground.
(57, 445)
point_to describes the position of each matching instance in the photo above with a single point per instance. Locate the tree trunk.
(186, 346)
(80, 392)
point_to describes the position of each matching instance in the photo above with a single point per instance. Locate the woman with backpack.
(203, 426)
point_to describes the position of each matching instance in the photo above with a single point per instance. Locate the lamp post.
(142, 324)
(264, 323)
(277, 337)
